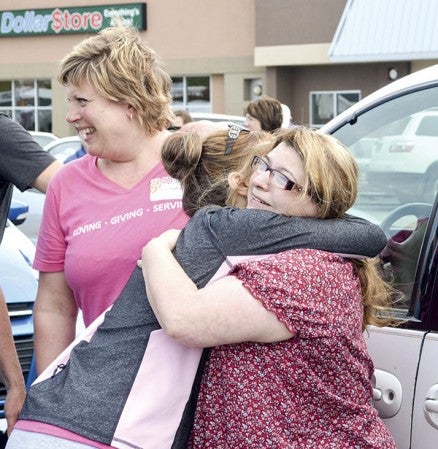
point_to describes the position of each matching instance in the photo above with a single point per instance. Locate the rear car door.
(398, 190)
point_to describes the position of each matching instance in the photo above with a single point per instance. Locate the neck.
(136, 162)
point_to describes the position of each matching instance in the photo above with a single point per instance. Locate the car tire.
(431, 185)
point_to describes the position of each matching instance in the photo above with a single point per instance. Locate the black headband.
(233, 134)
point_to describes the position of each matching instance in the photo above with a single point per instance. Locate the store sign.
(32, 22)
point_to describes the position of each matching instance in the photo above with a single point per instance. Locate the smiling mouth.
(255, 199)
(85, 132)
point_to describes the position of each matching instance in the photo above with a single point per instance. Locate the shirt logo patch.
(165, 188)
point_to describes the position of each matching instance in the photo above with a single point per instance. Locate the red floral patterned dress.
(312, 391)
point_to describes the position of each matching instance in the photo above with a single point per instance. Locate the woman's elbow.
(182, 331)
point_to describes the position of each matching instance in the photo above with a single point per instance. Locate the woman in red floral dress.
(289, 367)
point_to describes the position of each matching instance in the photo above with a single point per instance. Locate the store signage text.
(71, 20)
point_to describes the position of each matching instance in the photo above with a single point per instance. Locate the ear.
(131, 112)
(237, 183)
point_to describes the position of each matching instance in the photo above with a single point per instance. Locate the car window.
(396, 146)
(428, 126)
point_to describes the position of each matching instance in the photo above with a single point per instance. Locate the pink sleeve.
(314, 293)
(51, 245)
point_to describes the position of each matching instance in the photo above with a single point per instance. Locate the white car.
(236, 119)
(19, 284)
(378, 130)
(406, 158)
(43, 138)
(63, 147)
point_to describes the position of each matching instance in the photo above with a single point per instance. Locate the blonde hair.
(332, 182)
(122, 68)
(203, 166)
(331, 170)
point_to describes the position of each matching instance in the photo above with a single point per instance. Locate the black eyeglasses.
(276, 178)
(233, 133)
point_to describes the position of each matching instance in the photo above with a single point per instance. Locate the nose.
(72, 114)
(261, 180)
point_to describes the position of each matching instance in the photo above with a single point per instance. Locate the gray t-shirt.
(87, 395)
(22, 160)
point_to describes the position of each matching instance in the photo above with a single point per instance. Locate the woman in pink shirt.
(103, 208)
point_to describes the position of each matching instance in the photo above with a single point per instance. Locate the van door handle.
(387, 393)
(431, 406)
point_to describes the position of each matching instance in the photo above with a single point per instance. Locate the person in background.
(289, 365)
(101, 210)
(124, 358)
(76, 155)
(182, 117)
(24, 164)
(265, 114)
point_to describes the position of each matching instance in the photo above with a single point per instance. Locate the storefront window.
(191, 93)
(24, 93)
(5, 95)
(29, 102)
(326, 105)
(44, 93)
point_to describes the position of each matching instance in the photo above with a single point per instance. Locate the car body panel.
(423, 431)
(381, 343)
(19, 283)
(396, 193)
(34, 199)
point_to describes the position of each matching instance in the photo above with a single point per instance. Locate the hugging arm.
(221, 313)
(263, 232)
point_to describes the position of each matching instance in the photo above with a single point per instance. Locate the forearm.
(42, 181)
(55, 314)
(53, 333)
(10, 370)
(223, 312)
(170, 291)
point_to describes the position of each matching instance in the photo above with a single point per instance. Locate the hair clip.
(233, 133)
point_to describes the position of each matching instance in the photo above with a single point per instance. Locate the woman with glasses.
(289, 365)
(126, 383)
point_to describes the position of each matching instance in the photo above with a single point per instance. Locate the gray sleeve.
(250, 231)
(23, 160)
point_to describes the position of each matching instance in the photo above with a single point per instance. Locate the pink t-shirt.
(311, 391)
(94, 229)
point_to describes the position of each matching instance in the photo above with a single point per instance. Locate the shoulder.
(17, 138)
(305, 261)
(73, 171)
(307, 257)
(228, 214)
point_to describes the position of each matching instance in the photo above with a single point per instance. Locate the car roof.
(61, 140)
(217, 117)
